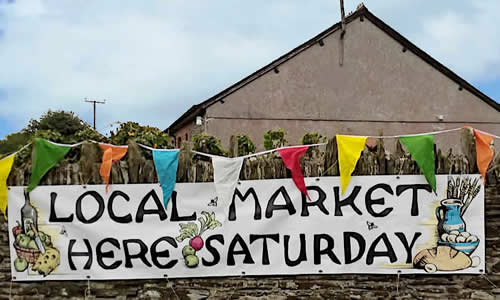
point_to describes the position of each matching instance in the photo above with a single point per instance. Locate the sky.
(151, 60)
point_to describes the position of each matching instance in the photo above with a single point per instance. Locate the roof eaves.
(275, 63)
(430, 60)
(361, 11)
(186, 117)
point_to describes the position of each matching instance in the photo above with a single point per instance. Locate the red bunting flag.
(291, 159)
(111, 154)
(484, 153)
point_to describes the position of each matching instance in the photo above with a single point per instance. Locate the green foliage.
(146, 135)
(245, 145)
(274, 139)
(13, 142)
(57, 126)
(88, 134)
(313, 138)
(64, 122)
(208, 144)
(53, 136)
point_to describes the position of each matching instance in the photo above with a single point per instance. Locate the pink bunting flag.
(291, 159)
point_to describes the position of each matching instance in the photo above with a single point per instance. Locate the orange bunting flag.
(111, 154)
(484, 153)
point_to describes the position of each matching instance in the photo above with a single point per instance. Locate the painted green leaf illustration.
(208, 221)
(188, 230)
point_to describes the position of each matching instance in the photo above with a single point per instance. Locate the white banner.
(382, 224)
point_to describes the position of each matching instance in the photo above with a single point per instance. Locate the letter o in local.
(100, 210)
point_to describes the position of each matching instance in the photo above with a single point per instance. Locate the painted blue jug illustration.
(449, 216)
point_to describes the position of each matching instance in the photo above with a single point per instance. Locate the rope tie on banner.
(397, 283)
(171, 286)
(87, 292)
(10, 289)
(487, 279)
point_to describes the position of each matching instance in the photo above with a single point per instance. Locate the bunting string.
(47, 150)
(272, 150)
(46, 154)
(495, 136)
(154, 149)
(407, 135)
(260, 153)
(21, 149)
(69, 145)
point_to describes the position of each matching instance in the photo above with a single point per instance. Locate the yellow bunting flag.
(5, 167)
(349, 150)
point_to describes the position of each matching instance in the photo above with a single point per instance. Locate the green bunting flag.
(45, 156)
(421, 148)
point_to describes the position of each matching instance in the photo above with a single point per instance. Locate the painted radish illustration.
(196, 243)
(190, 231)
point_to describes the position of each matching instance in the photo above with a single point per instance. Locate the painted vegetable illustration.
(193, 233)
(34, 248)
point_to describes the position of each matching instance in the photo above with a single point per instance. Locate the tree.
(57, 126)
(13, 142)
(147, 135)
(274, 139)
(63, 122)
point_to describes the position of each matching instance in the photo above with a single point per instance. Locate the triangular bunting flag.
(484, 153)
(111, 153)
(349, 151)
(166, 163)
(291, 159)
(226, 176)
(421, 148)
(5, 167)
(45, 156)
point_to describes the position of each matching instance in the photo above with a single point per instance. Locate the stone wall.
(82, 167)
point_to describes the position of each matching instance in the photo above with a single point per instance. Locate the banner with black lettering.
(380, 225)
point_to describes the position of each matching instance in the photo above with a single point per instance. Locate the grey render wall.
(379, 89)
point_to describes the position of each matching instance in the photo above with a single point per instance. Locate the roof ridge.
(361, 10)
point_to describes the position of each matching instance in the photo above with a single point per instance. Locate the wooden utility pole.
(342, 33)
(94, 102)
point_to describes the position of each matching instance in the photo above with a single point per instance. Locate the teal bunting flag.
(166, 163)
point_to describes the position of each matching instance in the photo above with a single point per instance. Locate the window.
(179, 142)
(187, 137)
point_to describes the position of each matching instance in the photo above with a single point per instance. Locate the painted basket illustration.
(31, 255)
(466, 248)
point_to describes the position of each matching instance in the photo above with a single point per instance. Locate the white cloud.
(147, 66)
(153, 60)
(468, 41)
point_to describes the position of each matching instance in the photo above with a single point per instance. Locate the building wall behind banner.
(379, 88)
(137, 168)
